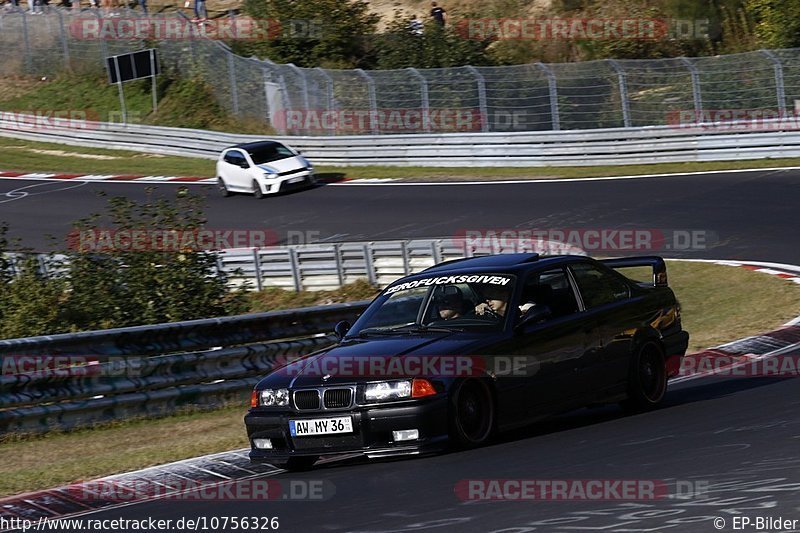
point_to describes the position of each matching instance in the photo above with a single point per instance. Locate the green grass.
(31, 156)
(715, 310)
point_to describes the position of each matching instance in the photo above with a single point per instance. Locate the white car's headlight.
(270, 175)
(387, 390)
(273, 397)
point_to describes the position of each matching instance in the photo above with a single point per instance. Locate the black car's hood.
(370, 359)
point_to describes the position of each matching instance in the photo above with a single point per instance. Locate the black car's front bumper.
(371, 436)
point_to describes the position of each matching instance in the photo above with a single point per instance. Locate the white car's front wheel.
(257, 191)
(223, 189)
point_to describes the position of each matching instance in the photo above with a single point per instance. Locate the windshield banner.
(442, 280)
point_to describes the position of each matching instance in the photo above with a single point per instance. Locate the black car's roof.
(255, 145)
(510, 263)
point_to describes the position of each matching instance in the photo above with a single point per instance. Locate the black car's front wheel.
(298, 464)
(647, 381)
(472, 414)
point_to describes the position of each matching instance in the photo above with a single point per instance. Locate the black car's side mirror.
(341, 329)
(535, 314)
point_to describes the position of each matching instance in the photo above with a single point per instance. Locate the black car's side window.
(597, 286)
(553, 289)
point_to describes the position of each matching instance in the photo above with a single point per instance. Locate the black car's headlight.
(270, 398)
(383, 391)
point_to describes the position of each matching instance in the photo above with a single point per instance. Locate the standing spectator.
(143, 3)
(438, 14)
(200, 13)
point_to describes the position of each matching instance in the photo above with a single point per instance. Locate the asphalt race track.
(739, 437)
(752, 215)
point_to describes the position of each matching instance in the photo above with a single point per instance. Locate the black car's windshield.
(269, 152)
(439, 303)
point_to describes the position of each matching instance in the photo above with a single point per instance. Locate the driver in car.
(496, 301)
(451, 303)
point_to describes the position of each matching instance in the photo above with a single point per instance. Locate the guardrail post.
(779, 84)
(303, 82)
(337, 252)
(373, 100)
(697, 96)
(404, 251)
(257, 268)
(481, 85)
(295, 266)
(370, 264)
(234, 88)
(552, 89)
(329, 89)
(423, 87)
(436, 251)
(623, 92)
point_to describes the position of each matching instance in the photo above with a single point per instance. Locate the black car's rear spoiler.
(656, 263)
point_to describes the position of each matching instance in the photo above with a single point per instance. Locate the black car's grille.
(306, 399)
(337, 398)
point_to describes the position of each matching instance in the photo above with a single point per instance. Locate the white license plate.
(295, 180)
(320, 426)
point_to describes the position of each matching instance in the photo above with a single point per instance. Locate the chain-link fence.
(316, 101)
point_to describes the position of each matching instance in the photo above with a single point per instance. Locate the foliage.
(431, 47)
(777, 24)
(313, 33)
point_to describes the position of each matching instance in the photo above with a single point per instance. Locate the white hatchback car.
(262, 167)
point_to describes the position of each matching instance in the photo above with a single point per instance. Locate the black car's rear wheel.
(298, 464)
(647, 381)
(472, 414)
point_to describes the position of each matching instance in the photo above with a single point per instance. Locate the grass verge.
(715, 310)
(30, 156)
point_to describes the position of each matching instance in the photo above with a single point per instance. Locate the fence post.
(373, 100)
(481, 84)
(26, 40)
(552, 89)
(696, 94)
(623, 92)
(232, 77)
(425, 102)
(303, 82)
(329, 91)
(64, 43)
(779, 85)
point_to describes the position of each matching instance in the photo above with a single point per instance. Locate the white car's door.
(237, 176)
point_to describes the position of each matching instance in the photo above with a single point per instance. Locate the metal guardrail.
(326, 266)
(147, 370)
(617, 146)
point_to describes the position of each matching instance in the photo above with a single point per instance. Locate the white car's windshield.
(269, 152)
(453, 302)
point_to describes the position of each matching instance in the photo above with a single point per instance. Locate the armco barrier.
(150, 370)
(614, 146)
